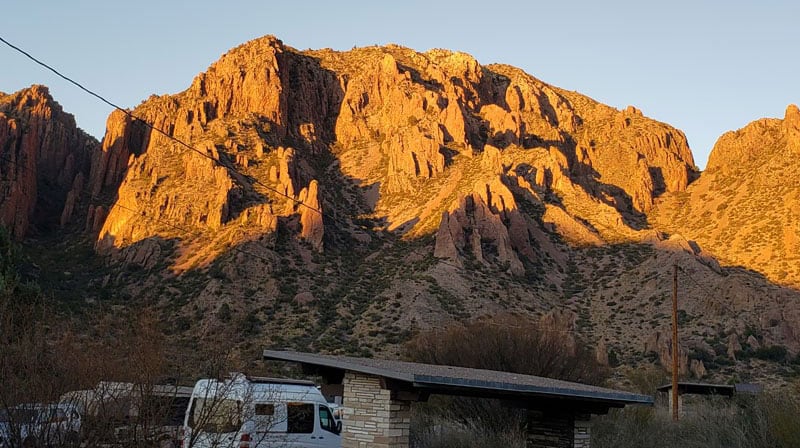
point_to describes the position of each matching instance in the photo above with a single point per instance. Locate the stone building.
(377, 396)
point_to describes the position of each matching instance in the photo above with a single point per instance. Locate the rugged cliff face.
(44, 161)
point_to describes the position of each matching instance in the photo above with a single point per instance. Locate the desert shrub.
(506, 343)
(646, 379)
(767, 421)
(774, 353)
(432, 431)
(224, 313)
(510, 344)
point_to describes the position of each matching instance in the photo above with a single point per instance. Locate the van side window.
(215, 415)
(326, 420)
(265, 409)
(300, 418)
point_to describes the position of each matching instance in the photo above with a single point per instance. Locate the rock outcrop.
(661, 344)
(487, 226)
(44, 161)
(311, 216)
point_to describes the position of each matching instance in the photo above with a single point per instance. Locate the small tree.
(509, 343)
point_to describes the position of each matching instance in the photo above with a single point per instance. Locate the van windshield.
(215, 415)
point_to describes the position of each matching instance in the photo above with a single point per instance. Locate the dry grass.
(768, 421)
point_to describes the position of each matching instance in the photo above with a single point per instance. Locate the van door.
(269, 425)
(327, 431)
(301, 424)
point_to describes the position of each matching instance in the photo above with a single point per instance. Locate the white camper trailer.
(243, 412)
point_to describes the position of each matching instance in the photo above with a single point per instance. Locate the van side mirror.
(339, 427)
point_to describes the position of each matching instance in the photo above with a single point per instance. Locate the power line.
(180, 142)
(158, 130)
(144, 215)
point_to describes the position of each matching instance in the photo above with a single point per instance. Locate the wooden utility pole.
(675, 360)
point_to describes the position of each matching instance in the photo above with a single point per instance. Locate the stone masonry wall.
(549, 429)
(583, 432)
(373, 419)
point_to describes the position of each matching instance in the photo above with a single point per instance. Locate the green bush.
(774, 353)
(224, 313)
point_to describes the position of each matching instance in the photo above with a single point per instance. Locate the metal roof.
(437, 378)
(716, 389)
(748, 388)
(700, 388)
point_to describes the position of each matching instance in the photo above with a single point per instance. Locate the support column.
(550, 429)
(680, 404)
(583, 431)
(373, 418)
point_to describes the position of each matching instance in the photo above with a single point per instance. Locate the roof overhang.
(700, 389)
(526, 390)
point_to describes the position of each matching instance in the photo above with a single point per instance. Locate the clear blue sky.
(703, 66)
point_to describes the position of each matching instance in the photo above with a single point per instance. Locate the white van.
(40, 424)
(244, 412)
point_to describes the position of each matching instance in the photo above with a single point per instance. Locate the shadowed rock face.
(44, 161)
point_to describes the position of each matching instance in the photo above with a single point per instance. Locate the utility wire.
(230, 169)
(158, 130)
(144, 215)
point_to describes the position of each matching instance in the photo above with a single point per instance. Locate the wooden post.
(675, 360)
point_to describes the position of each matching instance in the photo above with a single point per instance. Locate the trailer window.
(162, 410)
(215, 415)
(300, 418)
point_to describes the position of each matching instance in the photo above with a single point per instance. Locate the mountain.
(342, 201)
(410, 134)
(746, 207)
(45, 161)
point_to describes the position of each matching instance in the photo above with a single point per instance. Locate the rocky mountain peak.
(409, 123)
(45, 161)
(742, 209)
(792, 116)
